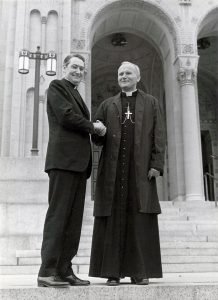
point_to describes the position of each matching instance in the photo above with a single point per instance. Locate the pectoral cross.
(128, 114)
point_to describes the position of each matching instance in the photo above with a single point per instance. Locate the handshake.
(99, 128)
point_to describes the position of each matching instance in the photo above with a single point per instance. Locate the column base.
(194, 197)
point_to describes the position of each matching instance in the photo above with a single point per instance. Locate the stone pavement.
(174, 286)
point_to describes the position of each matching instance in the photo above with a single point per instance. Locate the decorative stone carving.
(44, 20)
(185, 2)
(186, 76)
(187, 69)
(188, 49)
(78, 44)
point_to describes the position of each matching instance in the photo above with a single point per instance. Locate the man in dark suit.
(68, 164)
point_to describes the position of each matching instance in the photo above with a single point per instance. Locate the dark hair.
(68, 58)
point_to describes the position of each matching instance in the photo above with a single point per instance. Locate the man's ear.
(139, 78)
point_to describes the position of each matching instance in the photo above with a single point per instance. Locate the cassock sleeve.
(158, 146)
(96, 139)
(64, 110)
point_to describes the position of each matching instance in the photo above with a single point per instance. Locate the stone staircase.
(188, 234)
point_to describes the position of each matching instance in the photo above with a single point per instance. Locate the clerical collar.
(74, 86)
(129, 94)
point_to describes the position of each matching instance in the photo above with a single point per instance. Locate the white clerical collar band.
(128, 94)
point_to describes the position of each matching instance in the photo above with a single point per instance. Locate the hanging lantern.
(51, 64)
(24, 61)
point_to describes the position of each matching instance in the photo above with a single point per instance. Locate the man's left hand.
(153, 173)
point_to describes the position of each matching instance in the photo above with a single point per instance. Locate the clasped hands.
(153, 173)
(99, 127)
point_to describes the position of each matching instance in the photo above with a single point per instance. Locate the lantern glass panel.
(51, 66)
(23, 64)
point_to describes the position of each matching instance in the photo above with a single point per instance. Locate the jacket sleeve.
(96, 139)
(158, 146)
(64, 110)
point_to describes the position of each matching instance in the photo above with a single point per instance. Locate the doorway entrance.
(208, 168)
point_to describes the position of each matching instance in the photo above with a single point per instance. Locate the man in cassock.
(125, 236)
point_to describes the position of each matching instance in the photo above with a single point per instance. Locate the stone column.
(193, 171)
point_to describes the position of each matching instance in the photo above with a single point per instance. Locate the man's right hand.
(99, 127)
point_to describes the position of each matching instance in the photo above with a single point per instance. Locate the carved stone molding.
(78, 44)
(185, 2)
(187, 69)
(188, 49)
(186, 76)
(44, 20)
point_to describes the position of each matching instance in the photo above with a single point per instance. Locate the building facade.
(175, 44)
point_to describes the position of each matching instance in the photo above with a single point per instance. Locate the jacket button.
(114, 135)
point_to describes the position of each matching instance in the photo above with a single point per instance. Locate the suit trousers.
(63, 222)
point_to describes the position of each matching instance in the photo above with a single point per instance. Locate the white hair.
(137, 70)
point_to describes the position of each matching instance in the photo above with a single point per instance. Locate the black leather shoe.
(73, 280)
(52, 281)
(112, 281)
(139, 281)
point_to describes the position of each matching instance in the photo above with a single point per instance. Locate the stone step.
(166, 259)
(125, 291)
(169, 236)
(190, 245)
(188, 204)
(190, 268)
(174, 249)
(28, 261)
(184, 238)
(188, 259)
(189, 251)
(188, 217)
(84, 269)
(175, 220)
(187, 233)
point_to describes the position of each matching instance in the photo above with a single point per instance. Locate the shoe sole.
(53, 286)
(138, 283)
(112, 284)
(80, 284)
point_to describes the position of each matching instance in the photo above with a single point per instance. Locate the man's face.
(127, 77)
(74, 71)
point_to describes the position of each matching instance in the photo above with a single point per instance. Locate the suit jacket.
(149, 146)
(69, 128)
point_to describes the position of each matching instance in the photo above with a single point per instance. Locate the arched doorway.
(208, 103)
(151, 43)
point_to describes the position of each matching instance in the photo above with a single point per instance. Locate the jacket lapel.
(78, 98)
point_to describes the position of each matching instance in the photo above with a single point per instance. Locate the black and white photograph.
(109, 149)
